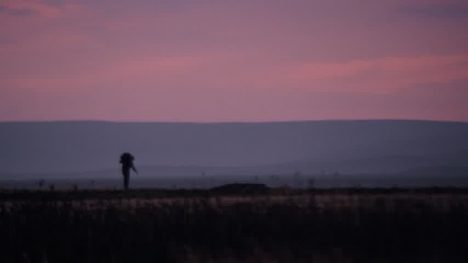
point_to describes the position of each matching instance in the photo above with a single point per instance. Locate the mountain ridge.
(337, 145)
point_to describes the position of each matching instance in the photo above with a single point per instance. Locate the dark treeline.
(305, 226)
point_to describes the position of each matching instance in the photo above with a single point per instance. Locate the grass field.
(277, 225)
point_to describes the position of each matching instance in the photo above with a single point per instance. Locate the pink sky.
(239, 60)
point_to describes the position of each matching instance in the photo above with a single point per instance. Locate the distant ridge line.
(238, 122)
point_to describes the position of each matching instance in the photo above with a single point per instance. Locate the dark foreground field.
(279, 225)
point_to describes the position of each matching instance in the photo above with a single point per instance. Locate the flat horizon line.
(231, 122)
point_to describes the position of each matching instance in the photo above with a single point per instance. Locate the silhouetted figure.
(126, 159)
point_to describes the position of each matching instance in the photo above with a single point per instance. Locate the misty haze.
(361, 152)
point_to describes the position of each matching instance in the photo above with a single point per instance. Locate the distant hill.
(88, 149)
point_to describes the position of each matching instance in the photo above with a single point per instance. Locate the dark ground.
(235, 225)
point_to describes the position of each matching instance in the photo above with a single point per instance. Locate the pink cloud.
(36, 7)
(385, 74)
(225, 60)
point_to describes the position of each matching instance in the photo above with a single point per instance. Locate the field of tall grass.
(279, 225)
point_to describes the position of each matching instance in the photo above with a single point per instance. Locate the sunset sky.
(233, 60)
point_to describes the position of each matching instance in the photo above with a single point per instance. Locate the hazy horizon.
(90, 149)
(232, 121)
(275, 86)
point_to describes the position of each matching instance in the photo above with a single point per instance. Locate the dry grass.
(198, 226)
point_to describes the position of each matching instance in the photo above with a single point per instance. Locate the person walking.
(126, 159)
